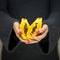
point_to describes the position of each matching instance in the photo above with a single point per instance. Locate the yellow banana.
(36, 25)
(27, 29)
(39, 25)
(24, 27)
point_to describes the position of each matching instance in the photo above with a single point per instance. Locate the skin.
(43, 32)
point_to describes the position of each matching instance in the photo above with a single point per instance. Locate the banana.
(24, 27)
(39, 25)
(36, 25)
(27, 29)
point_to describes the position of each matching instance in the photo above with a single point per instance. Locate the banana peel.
(27, 29)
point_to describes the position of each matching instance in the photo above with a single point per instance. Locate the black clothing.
(14, 10)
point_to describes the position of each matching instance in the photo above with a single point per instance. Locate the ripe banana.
(24, 27)
(27, 29)
(35, 26)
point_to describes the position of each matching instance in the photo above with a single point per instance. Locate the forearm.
(53, 22)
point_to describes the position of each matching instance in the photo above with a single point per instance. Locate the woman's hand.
(43, 32)
(41, 35)
(17, 31)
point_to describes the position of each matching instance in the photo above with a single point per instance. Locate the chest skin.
(30, 9)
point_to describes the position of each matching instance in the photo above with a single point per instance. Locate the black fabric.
(13, 43)
(54, 28)
(44, 44)
(14, 10)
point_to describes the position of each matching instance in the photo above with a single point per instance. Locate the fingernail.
(28, 41)
(38, 32)
(20, 33)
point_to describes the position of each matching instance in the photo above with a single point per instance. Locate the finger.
(43, 35)
(31, 42)
(22, 40)
(18, 32)
(34, 37)
(43, 29)
(16, 28)
(16, 24)
(28, 41)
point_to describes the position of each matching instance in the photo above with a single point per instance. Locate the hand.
(17, 31)
(41, 34)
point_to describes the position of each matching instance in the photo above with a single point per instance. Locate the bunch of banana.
(35, 26)
(24, 25)
(27, 29)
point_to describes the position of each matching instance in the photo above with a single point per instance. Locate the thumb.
(16, 27)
